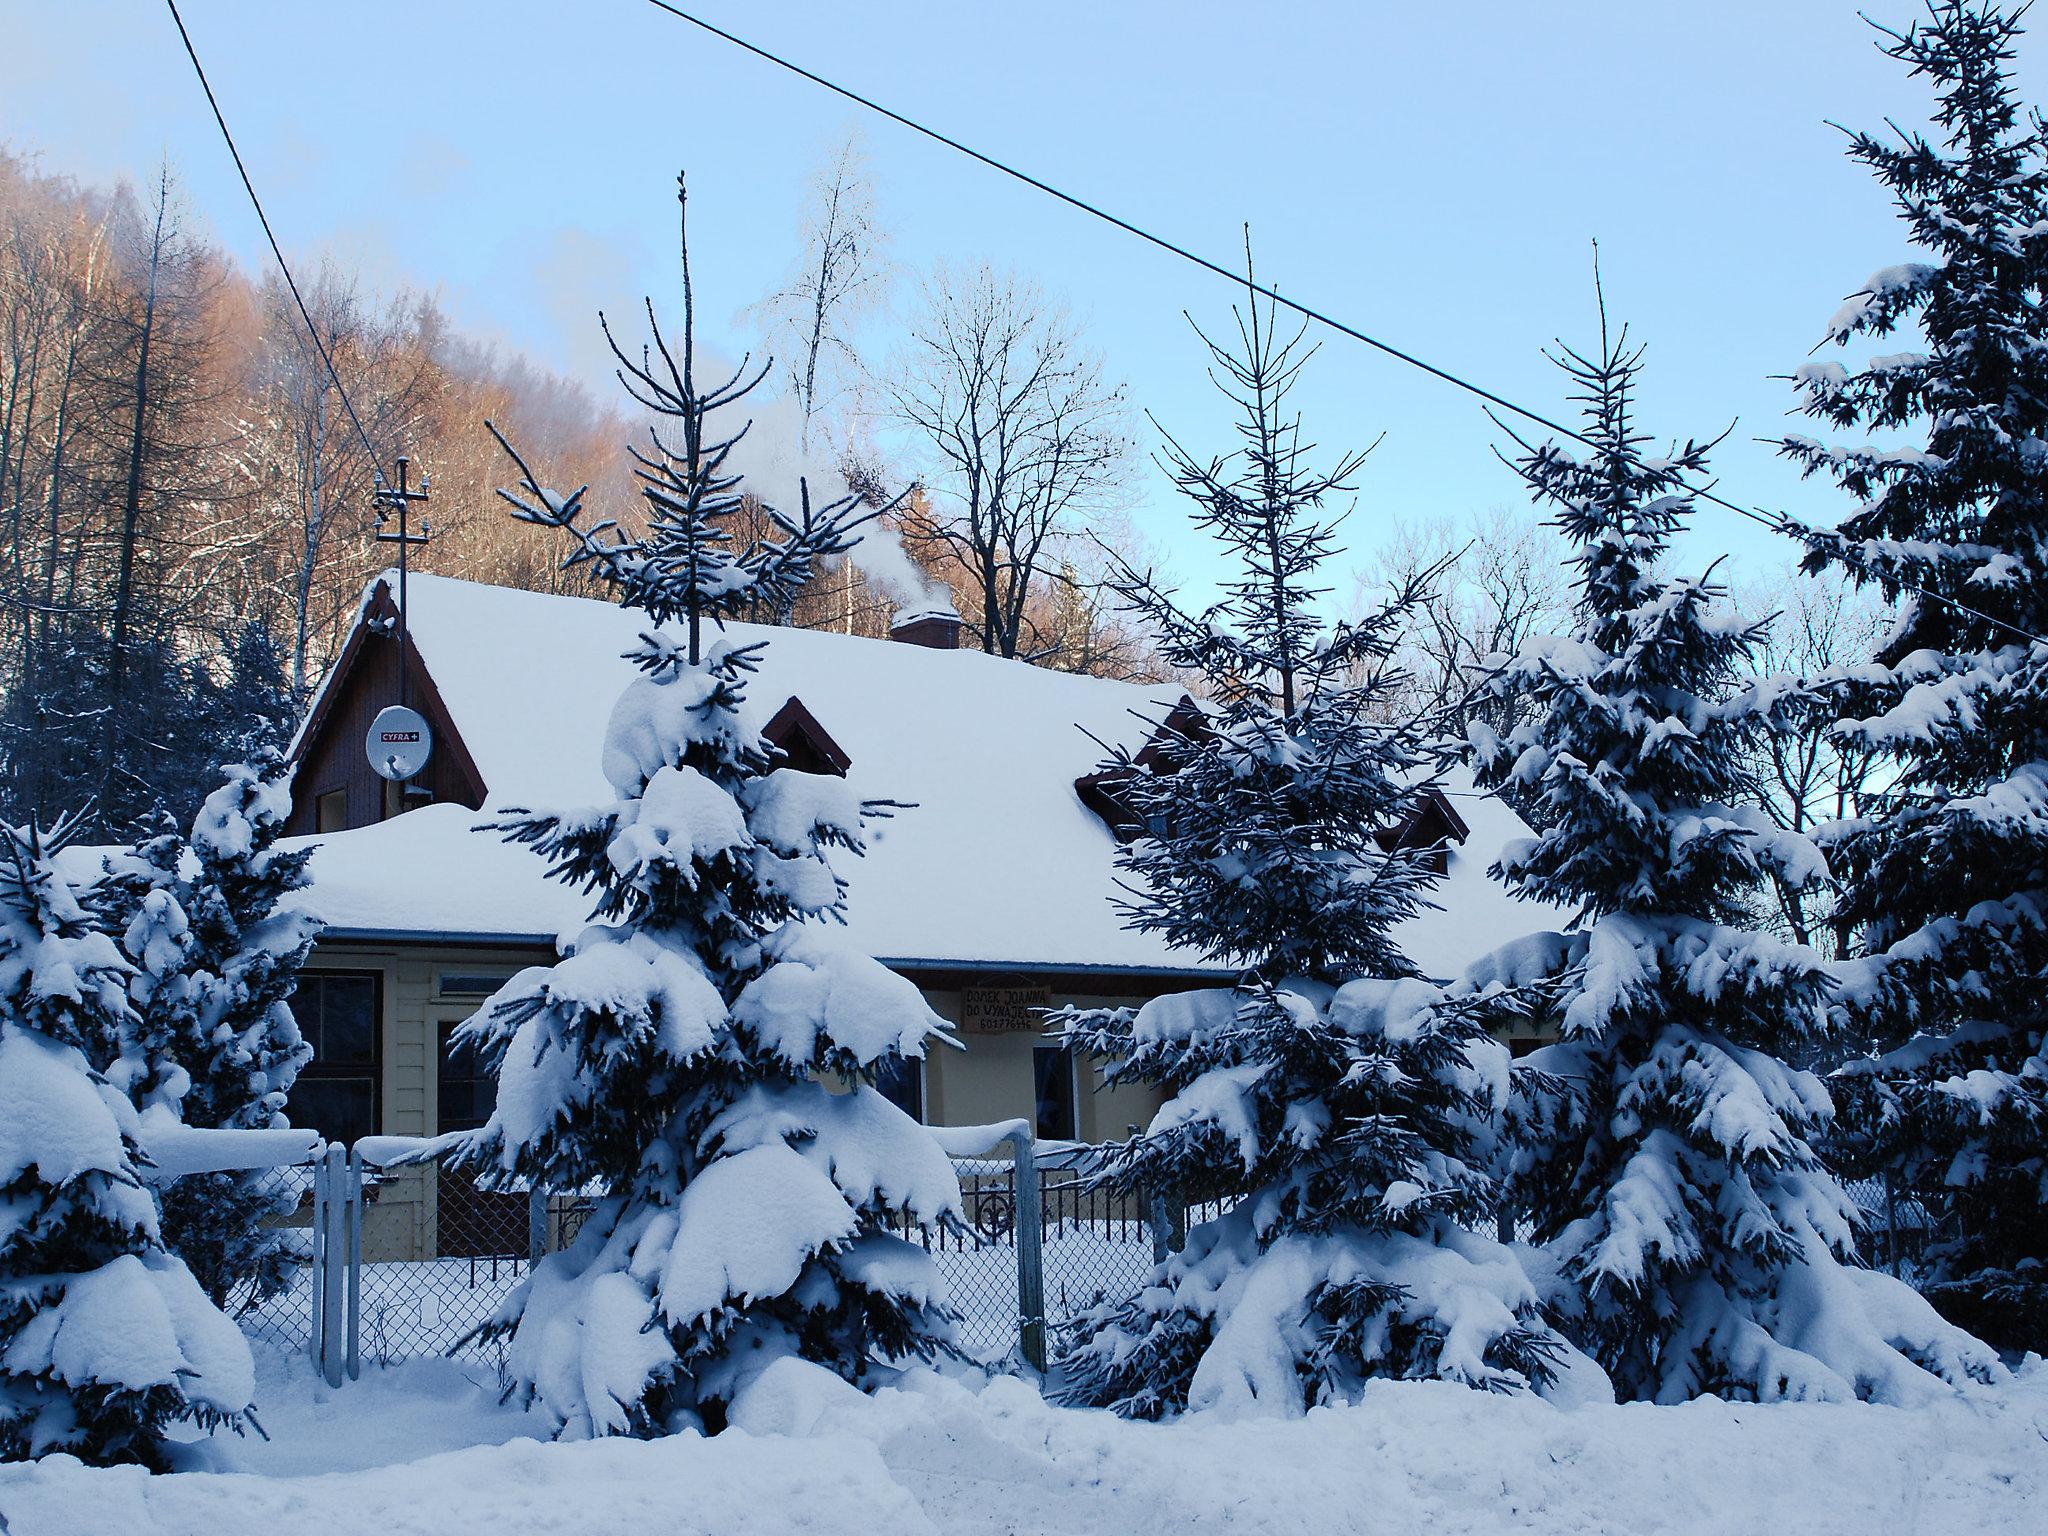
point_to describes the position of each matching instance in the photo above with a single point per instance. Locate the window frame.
(443, 1027)
(1073, 1093)
(922, 1083)
(315, 1071)
(337, 798)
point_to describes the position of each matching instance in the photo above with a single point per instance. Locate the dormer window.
(1432, 827)
(805, 745)
(1164, 753)
(1103, 794)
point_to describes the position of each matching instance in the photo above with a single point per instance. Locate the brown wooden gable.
(330, 753)
(1101, 791)
(1186, 722)
(805, 745)
(1431, 827)
(1434, 824)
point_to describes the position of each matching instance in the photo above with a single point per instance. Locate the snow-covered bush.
(678, 1057)
(1946, 872)
(212, 1043)
(104, 1335)
(1665, 1146)
(1339, 1101)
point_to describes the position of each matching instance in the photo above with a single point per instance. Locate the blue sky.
(1433, 173)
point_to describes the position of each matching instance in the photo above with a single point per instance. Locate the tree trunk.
(131, 515)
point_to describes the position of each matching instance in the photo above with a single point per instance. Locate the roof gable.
(327, 752)
(993, 859)
(804, 744)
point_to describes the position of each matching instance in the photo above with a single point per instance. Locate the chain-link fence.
(273, 1300)
(439, 1257)
(407, 1261)
(1091, 1244)
(1900, 1225)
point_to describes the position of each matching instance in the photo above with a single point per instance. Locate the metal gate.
(400, 1258)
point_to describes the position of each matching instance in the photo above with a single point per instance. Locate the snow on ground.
(424, 1448)
(416, 1410)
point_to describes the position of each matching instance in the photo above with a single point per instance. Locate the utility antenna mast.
(400, 740)
(399, 502)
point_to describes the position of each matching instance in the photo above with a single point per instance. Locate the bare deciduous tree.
(1804, 779)
(842, 275)
(315, 474)
(179, 484)
(1502, 585)
(1020, 437)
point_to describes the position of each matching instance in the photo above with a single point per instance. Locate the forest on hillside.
(187, 494)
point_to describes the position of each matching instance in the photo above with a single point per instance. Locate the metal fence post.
(1891, 1222)
(353, 1206)
(333, 1269)
(536, 1224)
(1030, 1252)
(1166, 1214)
(317, 1292)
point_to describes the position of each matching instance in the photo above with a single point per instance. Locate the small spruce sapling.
(675, 1060)
(105, 1337)
(1344, 1105)
(216, 952)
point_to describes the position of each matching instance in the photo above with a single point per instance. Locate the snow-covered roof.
(997, 865)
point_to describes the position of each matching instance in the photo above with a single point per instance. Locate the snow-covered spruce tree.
(213, 1044)
(104, 1335)
(1343, 1104)
(1946, 876)
(676, 1059)
(1665, 1146)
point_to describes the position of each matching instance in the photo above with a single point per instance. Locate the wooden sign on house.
(1004, 1010)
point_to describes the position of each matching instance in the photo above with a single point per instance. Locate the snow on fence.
(400, 1258)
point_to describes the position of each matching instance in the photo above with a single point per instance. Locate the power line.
(276, 250)
(1776, 522)
(1124, 224)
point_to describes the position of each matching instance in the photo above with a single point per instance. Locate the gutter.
(893, 962)
(433, 936)
(1046, 968)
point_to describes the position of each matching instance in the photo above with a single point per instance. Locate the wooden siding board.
(331, 756)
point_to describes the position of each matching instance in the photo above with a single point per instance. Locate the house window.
(1052, 1071)
(330, 811)
(338, 1092)
(900, 1080)
(468, 1088)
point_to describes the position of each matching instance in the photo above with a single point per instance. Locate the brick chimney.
(933, 625)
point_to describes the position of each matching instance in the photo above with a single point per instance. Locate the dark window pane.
(346, 1041)
(339, 1108)
(330, 811)
(900, 1080)
(1053, 1068)
(337, 1092)
(468, 1091)
(466, 984)
(347, 1021)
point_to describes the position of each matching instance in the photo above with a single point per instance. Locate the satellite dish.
(399, 743)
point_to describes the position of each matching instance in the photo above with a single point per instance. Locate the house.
(993, 887)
